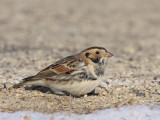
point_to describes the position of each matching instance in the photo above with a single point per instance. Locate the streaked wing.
(53, 71)
(61, 68)
(65, 69)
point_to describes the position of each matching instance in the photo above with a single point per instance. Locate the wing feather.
(61, 68)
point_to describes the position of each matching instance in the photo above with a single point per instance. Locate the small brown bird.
(76, 75)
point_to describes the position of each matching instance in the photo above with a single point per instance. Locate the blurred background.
(36, 33)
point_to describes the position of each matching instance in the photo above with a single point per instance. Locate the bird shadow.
(41, 89)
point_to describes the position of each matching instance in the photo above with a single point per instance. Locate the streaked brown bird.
(76, 75)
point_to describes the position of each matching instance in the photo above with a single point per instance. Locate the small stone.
(118, 89)
(85, 96)
(5, 105)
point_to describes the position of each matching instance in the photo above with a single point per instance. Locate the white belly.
(76, 88)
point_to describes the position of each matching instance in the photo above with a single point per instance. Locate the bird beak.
(108, 54)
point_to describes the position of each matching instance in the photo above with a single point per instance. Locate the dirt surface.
(35, 34)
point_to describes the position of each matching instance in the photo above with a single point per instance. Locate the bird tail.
(25, 80)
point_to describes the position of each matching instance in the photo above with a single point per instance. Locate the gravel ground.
(35, 34)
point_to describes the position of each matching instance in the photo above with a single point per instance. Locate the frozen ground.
(138, 112)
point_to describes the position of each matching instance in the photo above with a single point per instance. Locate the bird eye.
(97, 52)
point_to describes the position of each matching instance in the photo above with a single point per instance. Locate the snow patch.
(137, 112)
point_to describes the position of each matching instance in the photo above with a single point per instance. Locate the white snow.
(137, 112)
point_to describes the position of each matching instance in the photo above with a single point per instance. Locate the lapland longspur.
(76, 75)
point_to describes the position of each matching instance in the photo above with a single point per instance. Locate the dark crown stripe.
(95, 48)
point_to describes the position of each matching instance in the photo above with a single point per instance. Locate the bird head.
(96, 55)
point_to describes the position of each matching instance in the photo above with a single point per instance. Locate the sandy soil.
(35, 34)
